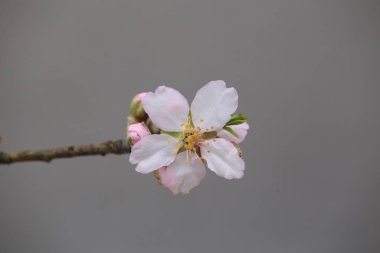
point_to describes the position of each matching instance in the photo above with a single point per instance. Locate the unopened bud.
(152, 127)
(135, 132)
(136, 110)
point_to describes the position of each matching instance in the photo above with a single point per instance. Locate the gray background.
(307, 72)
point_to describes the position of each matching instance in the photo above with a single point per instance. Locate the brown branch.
(117, 147)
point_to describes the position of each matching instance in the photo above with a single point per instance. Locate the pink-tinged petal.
(240, 130)
(213, 105)
(153, 152)
(140, 96)
(181, 177)
(135, 132)
(167, 108)
(223, 158)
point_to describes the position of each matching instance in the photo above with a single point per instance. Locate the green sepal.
(158, 177)
(236, 122)
(136, 110)
(210, 135)
(177, 135)
(229, 129)
(237, 119)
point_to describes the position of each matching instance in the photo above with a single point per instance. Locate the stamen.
(169, 140)
(201, 119)
(188, 130)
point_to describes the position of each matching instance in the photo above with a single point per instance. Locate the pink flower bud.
(136, 109)
(136, 132)
(140, 96)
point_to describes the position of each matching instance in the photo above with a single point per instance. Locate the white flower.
(181, 159)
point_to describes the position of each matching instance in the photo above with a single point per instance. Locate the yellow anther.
(174, 153)
(187, 161)
(213, 140)
(201, 119)
(169, 140)
(193, 138)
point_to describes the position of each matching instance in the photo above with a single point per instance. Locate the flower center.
(191, 139)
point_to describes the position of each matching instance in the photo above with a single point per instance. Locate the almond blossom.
(191, 136)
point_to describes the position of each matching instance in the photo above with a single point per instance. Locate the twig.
(117, 147)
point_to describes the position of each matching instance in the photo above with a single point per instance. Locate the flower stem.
(117, 147)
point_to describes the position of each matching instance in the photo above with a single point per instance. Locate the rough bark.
(117, 147)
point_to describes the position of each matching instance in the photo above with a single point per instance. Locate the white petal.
(153, 152)
(213, 105)
(167, 108)
(240, 130)
(181, 176)
(223, 158)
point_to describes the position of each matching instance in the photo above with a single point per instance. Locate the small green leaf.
(236, 122)
(237, 119)
(229, 129)
(176, 135)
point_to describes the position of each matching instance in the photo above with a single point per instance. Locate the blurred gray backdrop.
(307, 73)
